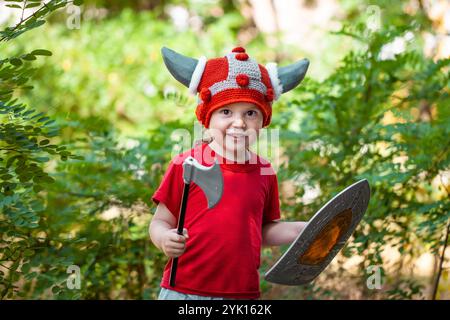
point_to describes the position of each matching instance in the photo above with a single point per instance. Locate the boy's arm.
(163, 232)
(162, 221)
(276, 233)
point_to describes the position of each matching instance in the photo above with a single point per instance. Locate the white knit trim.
(274, 80)
(197, 75)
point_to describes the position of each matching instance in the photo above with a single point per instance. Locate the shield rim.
(299, 246)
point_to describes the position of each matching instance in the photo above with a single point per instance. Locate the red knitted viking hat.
(233, 78)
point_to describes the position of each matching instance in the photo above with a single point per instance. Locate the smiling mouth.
(237, 136)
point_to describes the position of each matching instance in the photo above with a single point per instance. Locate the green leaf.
(49, 122)
(37, 188)
(28, 57)
(16, 6)
(25, 178)
(25, 114)
(42, 159)
(48, 179)
(41, 52)
(19, 109)
(16, 263)
(31, 276)
(56, 289)
(15, 61)
(37, 115)
(12, 159)
(32, 5)
(44, 142)
(43, 119)
(28, 252)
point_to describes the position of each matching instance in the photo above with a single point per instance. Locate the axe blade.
(209, 179)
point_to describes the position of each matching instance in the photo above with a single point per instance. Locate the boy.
(220, 248)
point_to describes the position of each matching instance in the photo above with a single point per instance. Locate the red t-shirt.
(223, 250)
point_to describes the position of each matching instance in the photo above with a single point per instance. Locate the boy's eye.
(250, 113)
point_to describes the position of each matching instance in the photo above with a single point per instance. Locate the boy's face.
(236, 126)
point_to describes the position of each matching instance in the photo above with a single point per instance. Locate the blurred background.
(88, 111)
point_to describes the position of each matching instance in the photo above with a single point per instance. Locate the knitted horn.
(186, 70)
(290, 76)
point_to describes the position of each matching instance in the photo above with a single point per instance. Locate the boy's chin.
(230, 145)
(237, 148)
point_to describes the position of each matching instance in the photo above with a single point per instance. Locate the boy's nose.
(238, 122)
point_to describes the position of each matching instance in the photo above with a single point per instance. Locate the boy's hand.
(173, 245)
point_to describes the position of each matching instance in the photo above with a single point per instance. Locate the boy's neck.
(234, 156)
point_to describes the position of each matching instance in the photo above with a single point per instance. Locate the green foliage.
(26, 144)
(385, 120)
(100, 200)
(34, 20)
(115, 255)
(119, 77)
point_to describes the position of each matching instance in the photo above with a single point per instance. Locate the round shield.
(322, 238)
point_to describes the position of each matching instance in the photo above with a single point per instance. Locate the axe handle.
(173, 270)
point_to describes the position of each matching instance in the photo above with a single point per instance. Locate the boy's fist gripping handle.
(210, 180)
(173, 270)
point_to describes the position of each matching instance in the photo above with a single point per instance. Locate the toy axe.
(210, 180)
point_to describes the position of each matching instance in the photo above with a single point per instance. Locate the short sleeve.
(170, 191)
(272, 203)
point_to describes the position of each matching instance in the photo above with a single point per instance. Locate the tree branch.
(44, 7)
(441, 262)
